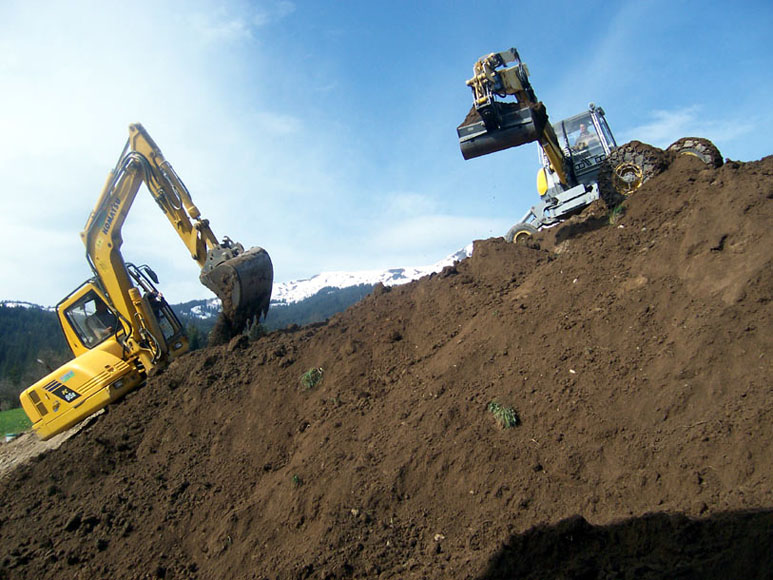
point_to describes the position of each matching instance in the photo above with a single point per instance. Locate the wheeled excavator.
(117, 324)
(580, 159)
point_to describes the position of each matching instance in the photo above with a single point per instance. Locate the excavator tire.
(520, 233)
(627, 168)
(698, 147)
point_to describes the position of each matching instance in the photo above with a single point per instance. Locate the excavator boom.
(241, 279)
(117, 324)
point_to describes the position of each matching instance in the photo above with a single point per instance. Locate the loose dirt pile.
(637, 357)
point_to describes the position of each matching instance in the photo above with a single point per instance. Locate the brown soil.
(474, 117)
(637, 356)
(27, 446)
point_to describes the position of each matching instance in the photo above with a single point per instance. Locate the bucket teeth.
(244, 285)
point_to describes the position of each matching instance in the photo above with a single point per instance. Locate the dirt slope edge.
(636, 355)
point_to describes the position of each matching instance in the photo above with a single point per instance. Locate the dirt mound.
(637, 359)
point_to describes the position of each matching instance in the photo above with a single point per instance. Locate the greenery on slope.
(26, 335)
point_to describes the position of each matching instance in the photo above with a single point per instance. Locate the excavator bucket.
(243, 283)
(499, 126)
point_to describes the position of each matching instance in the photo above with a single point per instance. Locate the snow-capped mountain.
(22, 304)
(286, 293)
(290, 292)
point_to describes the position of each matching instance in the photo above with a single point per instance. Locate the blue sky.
(325, 131)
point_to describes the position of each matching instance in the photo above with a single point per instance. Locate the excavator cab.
(586, 141)
(99, 338)
(90, 319)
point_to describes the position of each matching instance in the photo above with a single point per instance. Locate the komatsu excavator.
(580, 159)
(119, 327)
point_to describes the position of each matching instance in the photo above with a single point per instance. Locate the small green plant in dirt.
(615, 214)
(311, 378)
(255, 330)
(13, 421)
(506, 416)
(297, 481)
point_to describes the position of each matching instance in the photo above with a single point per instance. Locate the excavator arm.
(117, 325)
(241, 279)
(493, 125)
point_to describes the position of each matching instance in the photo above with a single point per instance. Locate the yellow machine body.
(77, 389)
(104, 369)
(118, 325)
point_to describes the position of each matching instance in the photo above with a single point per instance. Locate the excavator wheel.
(698, 147)
(520, 233)
(627, 168)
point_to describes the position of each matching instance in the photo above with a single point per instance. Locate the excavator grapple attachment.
(243, 282)
(499, 126)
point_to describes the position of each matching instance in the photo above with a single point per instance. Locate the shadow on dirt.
(577, 229)
(726, 545)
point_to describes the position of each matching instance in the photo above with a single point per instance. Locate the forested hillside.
(26, 335)
(317, 308)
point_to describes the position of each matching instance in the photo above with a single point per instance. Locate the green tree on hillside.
(26, 336)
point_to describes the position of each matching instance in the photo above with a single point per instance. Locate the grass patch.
(311, 378)
(506, 417)
(14, 421)
(615, 214)
(255, 330)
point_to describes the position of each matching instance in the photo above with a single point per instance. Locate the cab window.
(92, 319)
(583, 136)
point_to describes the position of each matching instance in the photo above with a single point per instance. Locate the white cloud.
(272, 12)
(219, 27)
(275, 124)
(410, 204)
(666, 126)
(235, 21)
(436, 231)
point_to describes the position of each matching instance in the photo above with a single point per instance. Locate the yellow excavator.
(581, 162)
(117, 324)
